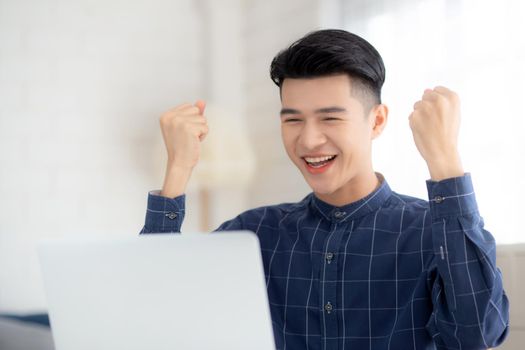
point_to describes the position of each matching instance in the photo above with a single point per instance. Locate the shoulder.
(398, 200)
(265, 217)
(410, 206)
(275, 212)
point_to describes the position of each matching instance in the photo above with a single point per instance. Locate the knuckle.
(431, 95)
(420, 105)
(193, 110)
(440, 97)
(164, 119)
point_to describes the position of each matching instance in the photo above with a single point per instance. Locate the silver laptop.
(156, 292)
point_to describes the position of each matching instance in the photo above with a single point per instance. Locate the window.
(476, 48)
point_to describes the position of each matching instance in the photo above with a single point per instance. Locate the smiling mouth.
(318, 162)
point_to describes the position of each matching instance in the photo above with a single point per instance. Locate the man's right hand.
(183, 129)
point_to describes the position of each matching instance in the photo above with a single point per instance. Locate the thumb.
(201, 104)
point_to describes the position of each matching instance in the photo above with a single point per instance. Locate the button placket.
(339, 214)
(329, 274)
(328, 307)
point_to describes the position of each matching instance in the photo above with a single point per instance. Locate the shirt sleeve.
(470, 308)
(164, 215)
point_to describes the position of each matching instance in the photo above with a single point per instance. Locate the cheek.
(288, 140)
(342, 140)
(351, 147)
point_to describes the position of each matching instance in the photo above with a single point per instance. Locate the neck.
(357, 188)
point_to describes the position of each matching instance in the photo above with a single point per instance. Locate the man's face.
(326, 133)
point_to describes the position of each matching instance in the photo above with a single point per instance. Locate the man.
(355, 265)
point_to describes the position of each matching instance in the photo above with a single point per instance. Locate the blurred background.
(83, 84)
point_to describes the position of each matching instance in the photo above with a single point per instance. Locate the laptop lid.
(157, 291)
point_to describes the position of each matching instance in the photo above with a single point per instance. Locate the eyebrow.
(332, 109)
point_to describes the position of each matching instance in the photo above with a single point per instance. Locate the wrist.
(445, 168)
(175, 180)
(172, 166)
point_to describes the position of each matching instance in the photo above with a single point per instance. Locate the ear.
(378, 118)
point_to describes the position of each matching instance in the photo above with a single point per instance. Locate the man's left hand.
(435, 128)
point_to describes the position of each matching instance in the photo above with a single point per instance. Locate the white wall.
(477, 48)
(81, 87)
(271, 26)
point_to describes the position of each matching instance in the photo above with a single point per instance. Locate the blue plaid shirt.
(388, 271)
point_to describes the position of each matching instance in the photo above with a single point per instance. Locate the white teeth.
(318, 159)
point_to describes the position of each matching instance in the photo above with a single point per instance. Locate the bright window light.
(476, 48)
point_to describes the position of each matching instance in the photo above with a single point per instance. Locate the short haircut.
(331, 52)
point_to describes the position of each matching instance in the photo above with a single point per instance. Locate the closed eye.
(291, 120)
(331, 118)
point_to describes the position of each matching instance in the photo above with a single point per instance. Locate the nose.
(311, 137)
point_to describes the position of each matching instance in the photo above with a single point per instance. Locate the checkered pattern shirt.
(388, 271)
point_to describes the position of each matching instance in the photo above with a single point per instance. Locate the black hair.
(330, 52)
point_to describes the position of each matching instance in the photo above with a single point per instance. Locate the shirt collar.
(361, 207)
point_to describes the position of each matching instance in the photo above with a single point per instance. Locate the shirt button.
(439, 199)
(329, 257)
(328, 307)
(339, 214)
(171, 215)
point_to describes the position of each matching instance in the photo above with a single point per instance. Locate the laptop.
(157, 292)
